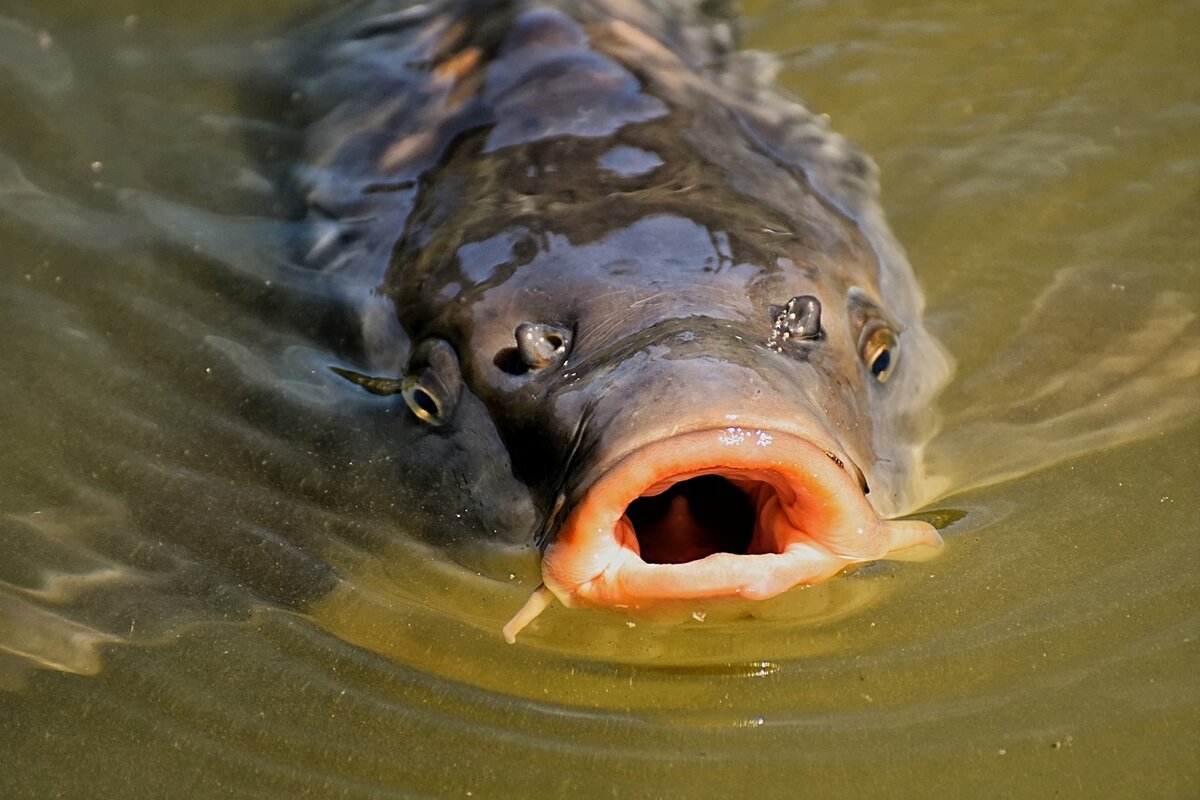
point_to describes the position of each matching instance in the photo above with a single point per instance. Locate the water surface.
(207, 585)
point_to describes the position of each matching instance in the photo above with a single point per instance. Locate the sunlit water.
(205, 587)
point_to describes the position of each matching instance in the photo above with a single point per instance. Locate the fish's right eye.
(433, 382)
(424, 404)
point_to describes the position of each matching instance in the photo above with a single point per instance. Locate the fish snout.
(709, 479)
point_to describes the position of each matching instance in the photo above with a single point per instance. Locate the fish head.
(700, 409)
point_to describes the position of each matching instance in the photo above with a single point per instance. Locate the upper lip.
(578, 482)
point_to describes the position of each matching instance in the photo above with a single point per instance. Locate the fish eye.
(424, 405)
(878, 350)
(433, 382)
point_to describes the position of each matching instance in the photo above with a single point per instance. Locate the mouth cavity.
(693, 519)
(731, 512)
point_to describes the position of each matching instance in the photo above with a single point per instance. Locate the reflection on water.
(202, 589)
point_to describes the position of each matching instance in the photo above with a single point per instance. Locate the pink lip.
(811, 521)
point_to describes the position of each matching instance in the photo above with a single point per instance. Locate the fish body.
(612, 262)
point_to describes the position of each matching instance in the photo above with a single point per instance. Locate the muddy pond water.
(207, 587)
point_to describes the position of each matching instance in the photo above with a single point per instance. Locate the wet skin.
(666, 291)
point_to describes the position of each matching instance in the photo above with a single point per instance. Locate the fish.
(437, 288)
(602, 259)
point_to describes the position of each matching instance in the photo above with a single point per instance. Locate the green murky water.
(1039, 162)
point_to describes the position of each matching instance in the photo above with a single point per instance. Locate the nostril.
(797, 321)
(802, 317)
(540, 344)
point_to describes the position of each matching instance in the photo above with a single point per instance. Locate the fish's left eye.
(877, 349)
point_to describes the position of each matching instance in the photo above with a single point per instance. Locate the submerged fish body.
(612, 261)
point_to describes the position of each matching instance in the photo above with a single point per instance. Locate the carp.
(591, 247)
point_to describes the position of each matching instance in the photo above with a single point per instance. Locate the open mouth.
(694, 518)
(730, 512)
